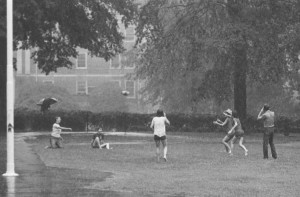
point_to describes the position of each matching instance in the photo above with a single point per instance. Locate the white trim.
(85, 54)
(119, 67)
(133, 96)
(27, 62)
(19, 61)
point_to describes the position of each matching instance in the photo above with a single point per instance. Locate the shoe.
(165, 159)
(246, 153)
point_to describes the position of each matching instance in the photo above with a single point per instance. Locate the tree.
(56, 28)
(226, 42)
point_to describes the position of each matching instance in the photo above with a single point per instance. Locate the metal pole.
(10, 168)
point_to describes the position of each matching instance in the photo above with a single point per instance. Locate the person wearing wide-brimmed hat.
(229, 122)
(268, 117)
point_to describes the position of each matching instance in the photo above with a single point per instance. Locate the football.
(125, 93)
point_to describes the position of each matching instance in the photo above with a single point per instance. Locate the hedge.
(29, 120)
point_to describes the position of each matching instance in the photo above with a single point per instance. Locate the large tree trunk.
(240, 88)
(3, 68)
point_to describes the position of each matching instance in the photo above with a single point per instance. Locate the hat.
(228, 112)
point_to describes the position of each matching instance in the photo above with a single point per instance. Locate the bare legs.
(165, 149)
(240, 144)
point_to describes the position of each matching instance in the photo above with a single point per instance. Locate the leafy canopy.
(55, 28)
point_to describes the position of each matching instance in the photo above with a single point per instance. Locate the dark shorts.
(239, 134)
(157, 138)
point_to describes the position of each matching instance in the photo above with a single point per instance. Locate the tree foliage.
(55, 28)
(218, 45)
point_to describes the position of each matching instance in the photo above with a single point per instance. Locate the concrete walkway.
(37, 180)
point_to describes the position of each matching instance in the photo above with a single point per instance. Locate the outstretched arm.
(66, 128)
(221, 123)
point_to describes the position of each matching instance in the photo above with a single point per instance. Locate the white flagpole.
(10, 168)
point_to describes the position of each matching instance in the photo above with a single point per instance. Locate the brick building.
(87, 72)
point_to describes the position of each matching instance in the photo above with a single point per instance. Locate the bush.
(33, 120)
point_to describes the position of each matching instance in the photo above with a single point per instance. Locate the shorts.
(157, 138)
(239, 133)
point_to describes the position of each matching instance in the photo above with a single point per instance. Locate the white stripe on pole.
(10, 168)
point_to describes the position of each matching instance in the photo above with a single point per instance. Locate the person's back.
(269, 118)
(238, 128)
(159, 124)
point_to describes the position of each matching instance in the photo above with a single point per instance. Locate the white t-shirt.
(56, 130)
(159, 124)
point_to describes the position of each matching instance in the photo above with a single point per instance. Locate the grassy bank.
(197, 166)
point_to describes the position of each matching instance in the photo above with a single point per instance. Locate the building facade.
(88, 72)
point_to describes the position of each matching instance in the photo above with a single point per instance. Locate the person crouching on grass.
(97, 141)
(229, 122)
(238, 133)
(55, 138)
(158, 124)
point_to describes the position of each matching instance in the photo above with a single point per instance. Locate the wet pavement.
(37, 180)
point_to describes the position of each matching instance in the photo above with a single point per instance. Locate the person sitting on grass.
(97, 141)
(239, 133)
(229, 122)
(55, 138)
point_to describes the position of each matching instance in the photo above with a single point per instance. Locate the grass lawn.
(197, 165)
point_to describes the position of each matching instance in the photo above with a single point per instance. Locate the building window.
(81, 61)
(130, 34)
(127, 60)
(48, 82)
(81, 87)
(115, 62)
(130, 87)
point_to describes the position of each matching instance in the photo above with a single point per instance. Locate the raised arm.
(260, 115)
(152, 124)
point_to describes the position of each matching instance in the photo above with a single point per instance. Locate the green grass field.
(197, 165)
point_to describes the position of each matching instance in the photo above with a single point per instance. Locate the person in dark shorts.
(230, 134)
(238, 133)
(55, 138)
(97, 141)
(158, 124)
(268, 117)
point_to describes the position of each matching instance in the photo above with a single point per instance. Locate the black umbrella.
(46, 102)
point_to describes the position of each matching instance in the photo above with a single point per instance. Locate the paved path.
(37, 180)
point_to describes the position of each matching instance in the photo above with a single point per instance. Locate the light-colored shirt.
(238, 127)
(269, 118)
(159, 125)
(56, 130)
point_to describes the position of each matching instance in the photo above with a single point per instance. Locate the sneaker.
(165, 159)
(230, 153)
(246, 153)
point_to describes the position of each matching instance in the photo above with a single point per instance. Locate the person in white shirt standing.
(56, 139)
(158, 124)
